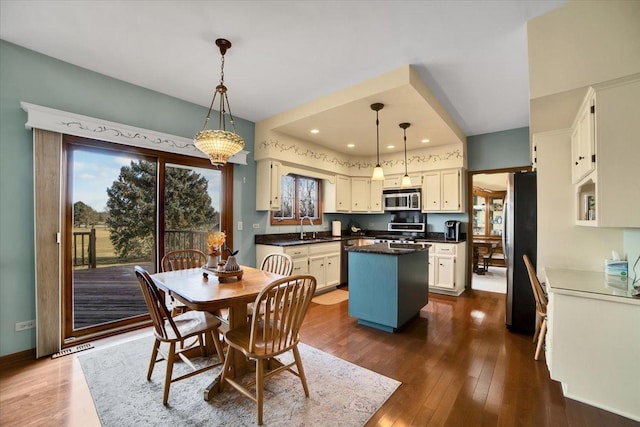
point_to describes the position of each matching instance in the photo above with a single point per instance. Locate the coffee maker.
(452, 230)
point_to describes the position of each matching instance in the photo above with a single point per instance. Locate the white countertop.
(590, 284)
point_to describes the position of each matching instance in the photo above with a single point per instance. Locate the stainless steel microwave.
(400, 200)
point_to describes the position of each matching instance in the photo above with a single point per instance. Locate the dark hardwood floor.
(458, 365)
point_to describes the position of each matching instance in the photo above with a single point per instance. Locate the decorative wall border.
(39, 117)
(327, 158)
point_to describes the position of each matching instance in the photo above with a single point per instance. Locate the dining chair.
(276, 263)
(541, 306)
(175, 330)
(181, 259)
(274, 330)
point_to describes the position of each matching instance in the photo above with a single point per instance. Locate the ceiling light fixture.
(220, 144)
(351, 145)
(406, 181)
(314, 131)
(391, 146)
(378, 173)
(424, 141)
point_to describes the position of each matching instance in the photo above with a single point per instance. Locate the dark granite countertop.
(390, 248)
(293, 239)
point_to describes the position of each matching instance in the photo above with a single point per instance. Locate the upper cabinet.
(268, 185)
(442, 191)
(395, 181)
(583, 156)
(366, 195)
(336, 197)
(605, 152)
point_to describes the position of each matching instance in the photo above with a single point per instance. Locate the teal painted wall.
(28, 76)
(498, 150)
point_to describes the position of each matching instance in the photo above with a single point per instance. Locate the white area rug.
(494, 280)
(333, 297)
(341, 393)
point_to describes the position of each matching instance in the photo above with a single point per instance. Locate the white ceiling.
(471, 54)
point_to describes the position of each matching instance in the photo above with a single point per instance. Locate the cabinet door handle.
(581, 158)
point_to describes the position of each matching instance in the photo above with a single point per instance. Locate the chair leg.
(152, 362)
(537, 331)
(543, 331)
(259, 387)
(167, 380)
(225, 367)
(218, 345)
(303, 377)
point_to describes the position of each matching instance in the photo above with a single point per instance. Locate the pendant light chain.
(377, 139)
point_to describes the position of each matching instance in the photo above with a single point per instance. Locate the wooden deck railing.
(84, 244)
(84, 248)
(185, 239)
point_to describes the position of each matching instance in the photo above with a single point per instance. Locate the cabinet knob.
(581, 158)
(576, 163)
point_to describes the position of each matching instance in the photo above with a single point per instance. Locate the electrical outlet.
(23, 326)
(256, 225)
(239, 225)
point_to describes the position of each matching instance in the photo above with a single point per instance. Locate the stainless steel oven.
(401, 200)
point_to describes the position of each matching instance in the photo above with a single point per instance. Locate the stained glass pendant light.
(406, 181)
(378, 173)
(220, 144)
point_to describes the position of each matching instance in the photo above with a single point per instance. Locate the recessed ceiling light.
(351, 145)
(391, 146)
(424, 141)
(314, 131)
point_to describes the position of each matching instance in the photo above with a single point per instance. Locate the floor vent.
(71, 350)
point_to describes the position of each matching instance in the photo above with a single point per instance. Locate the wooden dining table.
(481, 243)
(207, 293)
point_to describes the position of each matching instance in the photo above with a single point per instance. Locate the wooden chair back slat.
(281, 308)
(160, 314)
(538, 291)
(278, 263)
(183, 259)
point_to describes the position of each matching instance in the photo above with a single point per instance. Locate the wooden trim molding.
(39, 117)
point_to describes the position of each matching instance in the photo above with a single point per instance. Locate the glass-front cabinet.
(479, 214)
(488, 209)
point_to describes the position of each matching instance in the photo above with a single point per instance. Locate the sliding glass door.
(127, 207)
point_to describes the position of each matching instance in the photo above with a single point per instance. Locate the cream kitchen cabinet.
(336, 197)
(609, 194)
(442, 191)
(366, 195)
(583, 157)
(268, 178)
(447, 268)
(324, 264)
(299, 255)
(321, 260)
(395, 181)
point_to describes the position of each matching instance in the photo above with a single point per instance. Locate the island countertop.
(388, 248)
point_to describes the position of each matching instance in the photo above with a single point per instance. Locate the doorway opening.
(487, 267)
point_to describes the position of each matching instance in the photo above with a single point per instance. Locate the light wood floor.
(458, 365)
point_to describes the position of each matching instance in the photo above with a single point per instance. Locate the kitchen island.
(388, 283)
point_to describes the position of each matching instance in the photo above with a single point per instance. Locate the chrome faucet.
(302, 234)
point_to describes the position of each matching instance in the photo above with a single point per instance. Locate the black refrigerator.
(520, 238)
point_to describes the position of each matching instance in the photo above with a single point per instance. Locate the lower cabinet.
(447, 268)
(321, 260)
(324, 264)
